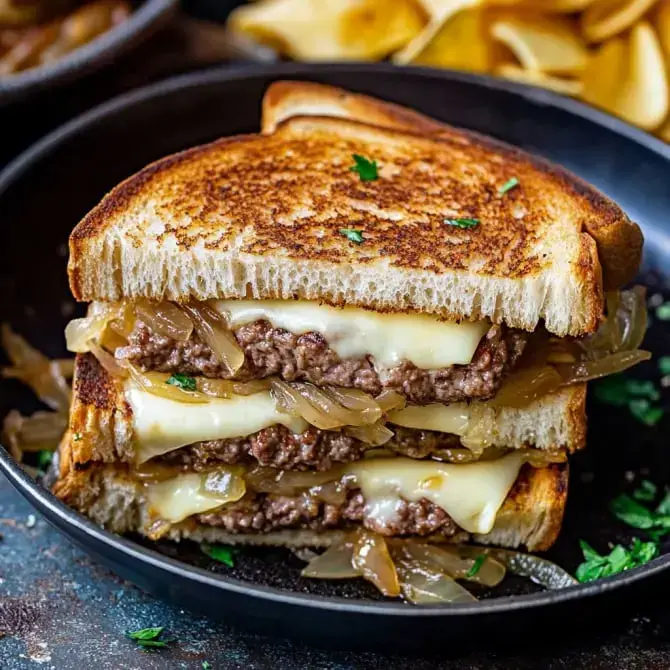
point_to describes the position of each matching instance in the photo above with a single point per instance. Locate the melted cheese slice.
(353, 332)
(471, 494)
(178, 498)
(453, 419)
(162, 425)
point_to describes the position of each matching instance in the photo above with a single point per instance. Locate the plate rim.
(31, 490)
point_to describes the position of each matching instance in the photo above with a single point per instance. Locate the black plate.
(146, 17)
(46, 191)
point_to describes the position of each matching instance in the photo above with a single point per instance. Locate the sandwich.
(358, 323)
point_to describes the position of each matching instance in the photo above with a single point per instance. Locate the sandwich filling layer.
(425, 359)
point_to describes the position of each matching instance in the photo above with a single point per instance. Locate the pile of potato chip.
(614, 54)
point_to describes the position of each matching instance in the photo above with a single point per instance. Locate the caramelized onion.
(79, 332)
(213, 329)
(225, 483)
(107, 360)
(156, 384)
(165, 318)
(334, 563)
(539, 570)
(34, 369)
(526, 385)
(292, 402)
(371, 557)
(375, 435)
(594, 369)
(424, 584)
(390, 400)
(42, 431)
(289, 482)
(224, 388)
(358, 401)
(448, 558)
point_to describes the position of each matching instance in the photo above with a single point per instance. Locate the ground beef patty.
(273, 351)
(263, 513)
(278, 447)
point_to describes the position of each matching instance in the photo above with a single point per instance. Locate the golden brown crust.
(100, 423)
(255, 197)
(619, 240)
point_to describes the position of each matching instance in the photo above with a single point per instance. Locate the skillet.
(46, 190)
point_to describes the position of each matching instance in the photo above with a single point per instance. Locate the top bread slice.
(618, 239)
(262, 216)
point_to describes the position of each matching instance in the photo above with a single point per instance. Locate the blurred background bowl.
(147, 16)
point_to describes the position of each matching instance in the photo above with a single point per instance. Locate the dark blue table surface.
(59, 610)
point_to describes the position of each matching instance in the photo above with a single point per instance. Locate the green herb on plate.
(618, 560)
(367, 170)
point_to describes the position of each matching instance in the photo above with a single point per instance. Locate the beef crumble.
(278, 447)
(264, 513)
(273, 351)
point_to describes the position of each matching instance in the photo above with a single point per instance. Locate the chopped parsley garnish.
(76, 437)
(664, 365)
(663, 312)
(508, 186)
(462, 223)
(618, 560)
(642, 410)
(476, 566)
(646, 492)
(367, 170)
(182, 381)
(635, 394)
(206, 665)
(220, 553)
(149, 637)
(655, 521)
(353, 235)
(44, 458)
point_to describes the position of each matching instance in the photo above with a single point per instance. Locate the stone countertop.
(59, 610)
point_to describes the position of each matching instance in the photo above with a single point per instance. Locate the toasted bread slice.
(530, 516)
(101, 421)
(619, 240)
(262, 217)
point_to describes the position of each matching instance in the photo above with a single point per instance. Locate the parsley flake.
(618, 560)
(656, 522)
(44, 458)
(220, 553)
(646, 492)
(637, 395)
(663, 312)
(182, 381)
(664, 365)
(76, 437)
(476, 566)
(462, 223)
(508, 186)
(148, 637)
(206, 665)
(353, 235)
(367, 170)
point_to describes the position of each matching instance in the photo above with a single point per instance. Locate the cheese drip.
(352, 332)
(162, 425)
(471, 494)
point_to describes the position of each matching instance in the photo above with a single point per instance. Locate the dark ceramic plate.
(45, 192)
(147, 16)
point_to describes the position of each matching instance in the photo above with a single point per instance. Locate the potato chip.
(664, 131)
(537, 78)
(559, 6)
(455, 40)
(540, 43)
(330, 29)
(627, 77)
(662, 25)
(606, 18)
